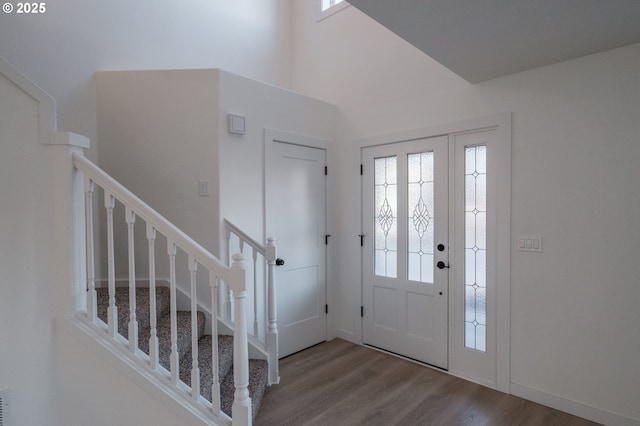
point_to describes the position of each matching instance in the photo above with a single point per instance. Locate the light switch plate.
(528, 243)
(203, 188)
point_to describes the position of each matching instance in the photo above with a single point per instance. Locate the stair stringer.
(156, 383)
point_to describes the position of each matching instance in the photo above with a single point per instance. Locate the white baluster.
(256, 333)
(214, 283)
(272, 328)
(229, 308)
(195, 371)
(153, 320)
(222, 296)
(174, 360)
(130, 219)
(91, 272)
(222, 292)
(241, 408)
(112, 311)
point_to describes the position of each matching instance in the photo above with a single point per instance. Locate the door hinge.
(326, 170)
(361, 240)
(326, 309)
(361, 169)
(326, 239)
(362, 311)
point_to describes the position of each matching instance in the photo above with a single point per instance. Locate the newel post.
(241, 409)
(272, 315)
(71, 270)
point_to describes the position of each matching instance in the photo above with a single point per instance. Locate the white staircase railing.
(263, 286)
(232, 277)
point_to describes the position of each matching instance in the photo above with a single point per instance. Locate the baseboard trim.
(345, 335)
(572, 407)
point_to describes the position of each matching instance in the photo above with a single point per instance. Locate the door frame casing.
(271, 136)
(501, 151)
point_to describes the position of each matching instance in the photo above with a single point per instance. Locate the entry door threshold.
(406, 358)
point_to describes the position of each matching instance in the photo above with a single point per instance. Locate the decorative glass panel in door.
(386, 206)
(421, 219)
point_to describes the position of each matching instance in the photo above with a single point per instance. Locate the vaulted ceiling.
(484, 39)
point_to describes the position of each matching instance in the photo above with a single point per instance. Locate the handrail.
(151, 216)
(233, 276)
(230, 227)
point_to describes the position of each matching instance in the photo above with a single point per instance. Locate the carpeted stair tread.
(225, 361)
(143, 311)
(183, 322)
(258, 376)
(258, 369)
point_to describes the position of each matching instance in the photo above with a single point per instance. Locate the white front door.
(406, 249)
(296, 218)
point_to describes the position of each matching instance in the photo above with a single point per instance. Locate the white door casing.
(295, 196)
(490, 367)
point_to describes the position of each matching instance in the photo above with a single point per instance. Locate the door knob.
(442, 265)
(279, 262)
(441, 247)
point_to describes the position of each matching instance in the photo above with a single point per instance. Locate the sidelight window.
(475, 247)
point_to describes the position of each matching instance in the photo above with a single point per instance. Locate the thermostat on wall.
(236, 124)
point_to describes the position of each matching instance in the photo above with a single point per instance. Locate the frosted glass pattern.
(420, 223)
(386, 222)
(475, 248)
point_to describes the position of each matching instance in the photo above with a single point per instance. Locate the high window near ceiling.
(329, 7)
(326, 4)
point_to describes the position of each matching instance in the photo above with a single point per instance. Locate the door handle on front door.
(442, 265)
(279, 262)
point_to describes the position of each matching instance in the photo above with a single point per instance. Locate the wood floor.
(339, 383)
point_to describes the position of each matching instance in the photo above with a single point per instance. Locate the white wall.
(242, 157)
(163, 131)
(92, 391)
(27, 298)
(51, 377)
(576, 148)
(158, 130)
(62, 48)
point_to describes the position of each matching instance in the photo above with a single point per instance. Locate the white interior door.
(296, 218)
(405, 249)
